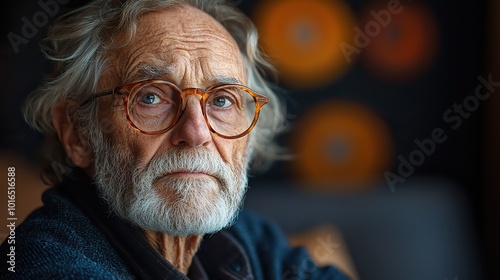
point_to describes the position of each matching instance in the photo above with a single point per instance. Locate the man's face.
(187, 180)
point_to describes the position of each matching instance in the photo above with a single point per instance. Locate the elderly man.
(156, 104)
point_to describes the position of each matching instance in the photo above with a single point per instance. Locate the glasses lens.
(230, 110)
(154, 106)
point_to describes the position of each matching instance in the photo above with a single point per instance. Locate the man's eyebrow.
(227, 80)
(148, 72)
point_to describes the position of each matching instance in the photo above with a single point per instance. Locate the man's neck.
(178, 250)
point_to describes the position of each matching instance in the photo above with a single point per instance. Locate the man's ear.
(74, 143)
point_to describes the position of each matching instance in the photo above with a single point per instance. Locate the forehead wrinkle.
(203, 25)
(186, 31)
(198, 48)
(197, 39)
(131, 57)
(185, 44)
(140, 65)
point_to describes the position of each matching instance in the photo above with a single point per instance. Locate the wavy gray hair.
(78, 44)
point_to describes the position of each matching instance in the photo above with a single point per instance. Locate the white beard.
(178, 206)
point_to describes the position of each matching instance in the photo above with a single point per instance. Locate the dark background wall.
(355, 119)
(418, 76)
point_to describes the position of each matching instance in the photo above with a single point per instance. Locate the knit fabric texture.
(58, 241)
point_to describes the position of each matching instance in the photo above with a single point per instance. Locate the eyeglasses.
(154, 106)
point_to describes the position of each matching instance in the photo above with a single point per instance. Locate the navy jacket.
(73, 236)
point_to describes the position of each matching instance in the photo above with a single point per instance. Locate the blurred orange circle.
(341, 145)
(406, 46)
(303, 38)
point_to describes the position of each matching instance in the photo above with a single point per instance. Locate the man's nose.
(191, 129)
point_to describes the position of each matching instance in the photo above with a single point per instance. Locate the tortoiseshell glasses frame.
(152, 88)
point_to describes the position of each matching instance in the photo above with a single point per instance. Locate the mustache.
(181, 159)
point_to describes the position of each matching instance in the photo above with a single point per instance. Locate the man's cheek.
(238, 153)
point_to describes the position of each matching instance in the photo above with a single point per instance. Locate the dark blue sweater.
(65, 240)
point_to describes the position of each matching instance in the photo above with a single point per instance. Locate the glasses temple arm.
(97, 95)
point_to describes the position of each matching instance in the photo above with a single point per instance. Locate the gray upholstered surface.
(423, 230)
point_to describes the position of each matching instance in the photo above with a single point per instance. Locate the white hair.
(80, 41)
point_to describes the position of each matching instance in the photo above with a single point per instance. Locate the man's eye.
(150, 99)
(222, 102)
